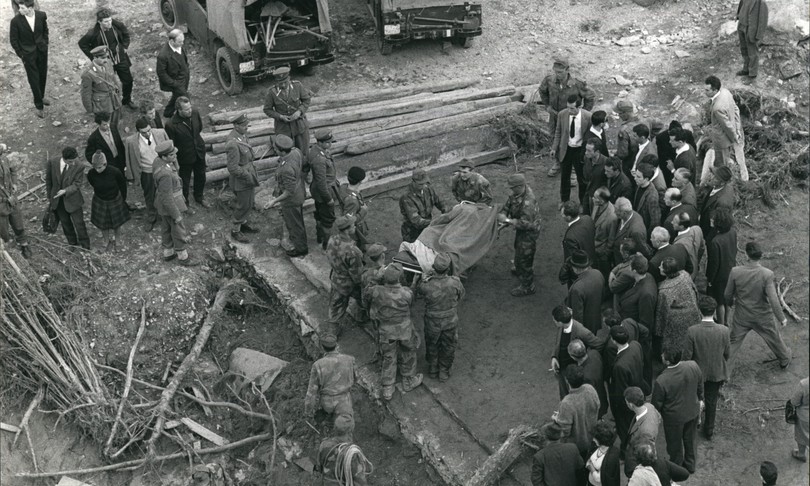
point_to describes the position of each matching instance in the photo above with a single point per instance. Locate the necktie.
(571, 133)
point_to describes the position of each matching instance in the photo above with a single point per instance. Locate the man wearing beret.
(101, 88)
(112, 35)
(346, 261)
(330, 382)
(64, 179)
(140, 149)
(721, 195)
(554, 92)
(626, 145)
(170, 205)
(390, 305)
(442, 293)
(520, 211)
(469, 185)
(10, 213)
(417, 204)
(352, 203)
(287, 103)
(324, 188)
(290, 194)
(243, 178)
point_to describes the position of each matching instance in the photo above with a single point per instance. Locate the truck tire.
(169, 14)
(227, 63)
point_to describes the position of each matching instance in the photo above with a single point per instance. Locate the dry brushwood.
(782, 292)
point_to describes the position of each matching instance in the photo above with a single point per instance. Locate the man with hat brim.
(417, 205)
(346, 261)
(10, 213)
(554, 91)
(352, 203)
(140, 154)
(585, 294)
(626, 145)
(113, 35)
(324, 187)
(290, 194)
(63, 184)
(468, 185)
(101, 88)
(287, 103)
(330, 382)
(442, 293)
(717, 192)
(521, 212)
(390, 305)
(170, 205)
(243, 178)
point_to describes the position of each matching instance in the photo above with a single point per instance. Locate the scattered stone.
(629, 40)
(255, 366)
(15, 85)
(157, 26)
(57, 123)
(202, 80)
(215, 93)
(217, 254)
(305, 463)
(66, 79)
(622, 94)
(727, 28)
(290, 449)
(681, 54)
(646, 50)
(622, 81)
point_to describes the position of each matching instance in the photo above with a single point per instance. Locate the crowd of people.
(645, 336)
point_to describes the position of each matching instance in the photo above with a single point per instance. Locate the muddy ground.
(500, 376)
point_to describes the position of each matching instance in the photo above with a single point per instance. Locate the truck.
(250, 38)
(401, 21)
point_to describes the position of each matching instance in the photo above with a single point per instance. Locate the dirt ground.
(500, 378)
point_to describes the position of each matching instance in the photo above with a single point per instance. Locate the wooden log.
(432, 128)
(222, 174)
(362, 96)
(206, 434)
(219, 148)
(218, 161)
(264, 128)
(490, 472)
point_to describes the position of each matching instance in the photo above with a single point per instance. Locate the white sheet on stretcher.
(423, 254)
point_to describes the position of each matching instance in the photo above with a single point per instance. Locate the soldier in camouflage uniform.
(554, 91)
(520, 211)
(442, 293)
(390, 304)
(626, 145)
(373, 272)
(330, 382)
(287, 103)
(346, 261)
(10, 213)
(324, 187)
(417, 205)
(352, 203)
(290, 194)
(470, 186)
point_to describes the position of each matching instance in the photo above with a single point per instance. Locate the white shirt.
(663, 246)
(715, 191)
(681, 150)
(576, 141)
(597, 132)
(574, 221)
(638, 417)
(31, 20)
(148, 153)
(62, 166)
(567, 329)
(715, 95)
(683, 232)
(108, 137)
(675, 206)
(621, 226)
(622, 348)
(178, 50)
(640, 149)
(708, 319)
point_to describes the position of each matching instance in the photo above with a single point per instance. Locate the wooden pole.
(270, 163)
(490, 472)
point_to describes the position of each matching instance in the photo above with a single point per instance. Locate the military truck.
(249, 38)
(401, 21)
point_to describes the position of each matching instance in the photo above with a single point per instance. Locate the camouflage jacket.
(555, 95)
(8, 178)
(353, 204)
(331, 375)
(626, 146)
(371, 276)
(346, 261)
(523, 208)
(475, 189)
(390, 305)
(442, 294)
(417, 207)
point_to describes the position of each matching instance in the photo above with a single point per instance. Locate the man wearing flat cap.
(324, 187)
(417, 205)
(585, 294)
(721, 195)
(626, 145)
(243, 178)
(170, 205)
(290, 194)
(554, 92)
(521, 212)
(469, 185)
(442, 293)
(287, 103)
(346, 261)
(101, 88)
(330, 382)
(113, 35)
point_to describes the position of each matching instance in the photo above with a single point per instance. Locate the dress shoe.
(188, 262)
(46, 101)
(110, 246)
(203, 203)
(170, 257)
(296, 253)
(798, 455)
(132, 106)
(521, 291)
(39, 113)
(238, 236)
(246, 228)
(742, 72)
(26, 251)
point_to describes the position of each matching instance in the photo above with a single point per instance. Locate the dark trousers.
(324, 219)
(125, 75)
(440, 348)
(198, 169)
(750, 54)
(244, 203)
(622, 416)
(168, 112)
(293, 217)
(572, 160)
(73, 226)
(711, 393)
(681, 443)
(148, 186)
(15, 219)
(525, 248)
(36, 69)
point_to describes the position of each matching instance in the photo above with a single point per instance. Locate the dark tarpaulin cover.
(467, 233)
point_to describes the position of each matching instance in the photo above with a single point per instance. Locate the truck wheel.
(228, 71)
(386, 47)
(168, 14)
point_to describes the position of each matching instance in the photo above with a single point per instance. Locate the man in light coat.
(569, 146)
(141, 151)
(725, 129)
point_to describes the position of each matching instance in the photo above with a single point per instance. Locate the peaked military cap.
(323, 135)
(419, 175)
(343, 222)
(284, 142)
(99, 51)
(240, 120)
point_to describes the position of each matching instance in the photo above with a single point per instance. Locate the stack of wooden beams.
(367, 121)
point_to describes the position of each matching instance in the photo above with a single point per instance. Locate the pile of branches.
(523, 132)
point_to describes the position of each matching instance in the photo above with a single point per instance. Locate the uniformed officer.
(324, 187)
(243, 177)
(442, 293)
(101, 88)
(520, 211)
(330, 382)
(626, 145)
(390, 304)
(417, 204)
(554, 91)
(287, 103)
(170, 204)
(290, 194)
(352, 204)
(469, 185)
(346, 261)
(10, 213)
